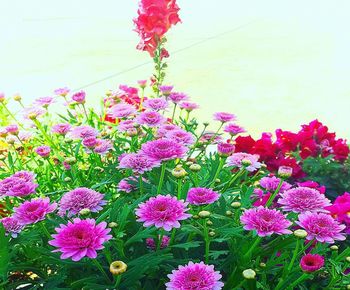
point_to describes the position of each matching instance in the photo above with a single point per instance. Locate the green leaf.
(4, 253)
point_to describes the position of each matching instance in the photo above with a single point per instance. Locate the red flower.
(311, 263)
(286, 141)
(244, 144)
(341, 150)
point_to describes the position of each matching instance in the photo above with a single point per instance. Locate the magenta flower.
(121, 110)
(233, 129)
(195, 276)
(33, 211)
(188, 106)
(311, 263)
(162, 211)
(127, 184)
(150, 118)
(178, 97)
(163, 149)
(271, 184)
(302, 199)
(248, 161)
(224, 117)
(61, 129)
(156, 104)
(181, 136)
(79, 97)
(43, 151)
(226, 149)
(25, 175)
(19, 184)
(33, 113)
(321, 226)
(82, 132)
(89, 142)
(139, 163)
(62, 91)
(166, 90)
(201, 195)
(103, 146)
(211, 137)
(12, 226)
(12, 129)
(265, 221)
(152, 244)
(126, 125)
(80, 198)
(80, 238)
(44, 101)
(164, 129)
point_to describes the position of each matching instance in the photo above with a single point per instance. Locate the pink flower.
(19, 184)
(80, 238)
(89, 142)
(233, 129)
(265, 221)
(79, 97)
(178, 97)
(62, 91)
(12, 129)
(33, 211)
(201, 195)
(24, 136)
(162, 211)
(211, 137)
(80, 198)
(82, 132)
(151, 243)
(271, 184)
(225, 149)
(156, 104)
(302, 199)
(163, 149)
(121, 110)
(224, 117)
(142, 83)
(321, 226)
(164, 129)
(311, 263)
(103, 146)
(166, 90)
(12, 226)
(127, 184)
(61, 129)
(33, 113)
(248, 161)
(126, 125)
(312, 184)
(188, 106)
(139, 163)
(44, 101)
(43, 151)
(181, 136)
(195, 276)
(150, 118)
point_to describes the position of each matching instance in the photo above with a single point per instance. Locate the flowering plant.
(131, 197)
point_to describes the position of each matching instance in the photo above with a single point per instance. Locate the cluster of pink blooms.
(163, 149)
(201, 195)
(244, 160)
(20, 184)
(137, 162)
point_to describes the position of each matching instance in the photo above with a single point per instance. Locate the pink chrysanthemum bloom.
(181, 136)
(163, 149)
(33, 211)
(302, 199)
(166, 90)
(80, 198)
(164, 129)
(79, 97)
(152, 244)
(12, 129)
(195, 276)
(62, 91)
(121, 110)
(321, 226)
(226, 149)
(19, 184)
(178, 97)
(44, 101)
(12, 226)
(139, 163)
(233, 129)
(150, 118)
(211, 137)
(43, 151)
(33, 113)
(201, 195)
(80, 238)
(224, 117)
(3, 132)
(82, 132)
(142, 83)
(103, 146)
(25, 175)
(271, 184)
(248, 161)
(265, 221)
(162, 211)
(61, 129)
(156, 104)
(188, 106)
(311, 263)
(126, 125)
(127, 184)
(89, 142)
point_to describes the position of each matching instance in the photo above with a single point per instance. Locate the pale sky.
(272, 63)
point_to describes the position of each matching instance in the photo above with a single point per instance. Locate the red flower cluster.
(155, 17)
(340, 210)
(312, 140)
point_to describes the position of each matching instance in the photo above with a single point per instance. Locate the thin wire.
(175, 52)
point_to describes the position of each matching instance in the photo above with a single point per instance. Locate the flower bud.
(209, 223)
(84, 211)
(347, 259)
(68, 140)
(131, 132)
(246, 162)
(204, 214)
(112, 225)
(300, 234)
(70, 160)
(32, 116)
(67, 179)
(225, 149)
(196, 217)
(17, 97)
(206, 124)
(2, 97)
(217, 180)
(228, 213)
(262, 265)
(117, 267)
(211, 234)
(178, 172)
(334, 248)
(189, 163)
(249, 274)
(236, 204)
(195, 167)
(285, 171)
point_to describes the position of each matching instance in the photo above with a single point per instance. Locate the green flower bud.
(236, 204)
(249, 274)
(84, 211)
(204, 214)
(300, 234)
(112, 225)
(195, 167)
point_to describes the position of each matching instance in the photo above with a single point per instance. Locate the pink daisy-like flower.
(62, 91)
(80, 238)
(321, 226)
(302, 199)
(89, 142)
(156, 104)
(166, 90)
(79, 97)
(19, 184)
(33, 113)
(248, 161)
(271, 184)
(127, 184)
(150, 118)
(226, 149)
(44, 101)
(162, 211)
(25, 175)
(152, 244)
(61, 129)
(195, 276)
(82, 132)
(181, 136)
(233, 129)
(164, 129)
(265, 221)
(188, 106)
(142, 83)
(311, 263)
(139, 163)
(121, 110)
(201, 195)
(33, 211)
(178, 97)
(80, 198)
(211, 137)
(163, 149)
(12, 226)
(43, 151)
(103, 146)
(224, 117)
(126, 125)
(12, 129)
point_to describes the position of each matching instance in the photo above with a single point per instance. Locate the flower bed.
(131, 197)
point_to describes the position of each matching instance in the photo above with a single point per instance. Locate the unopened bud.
(196, 217)
(285, 171)
(70, 160)
(300, 234)
(347, 259)
(112, 225)
(334, 248)
(236, 204)
(249, 274)
(195, 167)
(262, 265)
(178, 172)
(211, 234)
(204, 214)
(17, 98)
(117, 267)
(67, 179)
(246, 162)
(131, 132)
(84, 211)
(209, 223)
(228, 213)
(217, 180)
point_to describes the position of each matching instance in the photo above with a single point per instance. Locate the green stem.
(45, 230)
(11, 115)
(162, 173)
(160, 239)
(172, 117)
(141, 184)
(221, 164)
(179, 188)
(117, 282)
(247, 255)
(235, 177)
(272, 197)
(296, 282)
(207, 242)
(103, 272)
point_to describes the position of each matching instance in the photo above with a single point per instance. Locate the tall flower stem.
(221, 164)
(161, 179)
(272, 197)
(10, 114)
(207, 241)
(303, 277)
(248, 254)
(179, 188)
(160, 239)
(103, 272)
(141, 184)
(173, 115)
(235, 177)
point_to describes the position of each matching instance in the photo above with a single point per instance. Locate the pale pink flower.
(62, 91)
(43, 151)
(248, 161)
(181, 136)
(79, 97)
(33, 113)
(139, 163)
(44, 101)
(121, 110)
(165, 128)
(163, 149)
(233, 129)
(201, 195)
(82, 132)
(126, 125)
(188, 106)
(103, 146)
(61, 129)
(150, 119)
(226, 149)
(156, 104)
(270, 183)
(224, 117)
(12, 226)
(178, 97)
